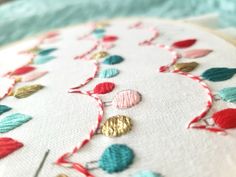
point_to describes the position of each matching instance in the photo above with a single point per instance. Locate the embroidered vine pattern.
(24, 74)
(119, 124)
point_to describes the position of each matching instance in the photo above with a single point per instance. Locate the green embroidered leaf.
(11, 122)
(4, 108)
(108, 73)
(46, 51)
(43, 59)
(228, 94)
(113, 59)
(218, 74)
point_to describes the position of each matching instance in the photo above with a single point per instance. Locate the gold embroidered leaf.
(99, 55)
(28, 90)
(185, 67)
(62, 175)
(116, 126)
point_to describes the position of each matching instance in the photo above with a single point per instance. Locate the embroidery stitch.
(13, 121)
(8, 146)
(4, 108)
(26, 91)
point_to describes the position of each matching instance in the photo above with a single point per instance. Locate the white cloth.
(159, 138)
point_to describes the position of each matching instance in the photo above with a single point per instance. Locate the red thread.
(104, 88)
(10, 86)
(225, 118)
(8, 146)
(64, 159)
(175, 57)
(154, 31)
(208, 91)
(82, 56)
(23, 70)
(184, 43)
(109, 38)
(96, 69)
(210, 129)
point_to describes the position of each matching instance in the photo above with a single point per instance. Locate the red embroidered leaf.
(196, 53)
(184, 43)
(109, 38)
(104, 87)
(225, 118)
(23, 70)
(8, 146)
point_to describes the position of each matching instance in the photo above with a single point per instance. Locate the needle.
(41, 163)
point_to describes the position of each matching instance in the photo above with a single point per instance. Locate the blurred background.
(22, 18)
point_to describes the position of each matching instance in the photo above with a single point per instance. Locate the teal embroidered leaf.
(116, 158)
(4, 108)
(13, 121)
(46, 51)
(108, 73)
(43, 59)
(147, 173)
(228, 94)
(218, 74)
(113, 59)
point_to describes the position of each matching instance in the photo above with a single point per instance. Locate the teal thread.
(13, 121)
(108, 73)
(43, 59)
(98, 31)
(4, 108)
(46, 51)
(218, 74)
(116, 158)
(228, 94)
(147, 173)
(113, 59)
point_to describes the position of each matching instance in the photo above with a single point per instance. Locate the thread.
(6, 86)
(64, 159)
(42, 59)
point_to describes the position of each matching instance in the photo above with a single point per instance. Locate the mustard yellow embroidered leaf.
(28, 90)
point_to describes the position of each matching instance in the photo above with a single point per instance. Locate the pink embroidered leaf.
(6, 84)
(23, 70)
(104, 87)
(184, 43)
(33, 76)
(8, 146)
(196, 53)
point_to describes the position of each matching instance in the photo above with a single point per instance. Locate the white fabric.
(159, 137)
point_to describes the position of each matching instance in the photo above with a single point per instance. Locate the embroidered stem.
(95, 46)
(175, 57)
(64, 159)
(208, 91)
(96, 69)
(153, 30)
